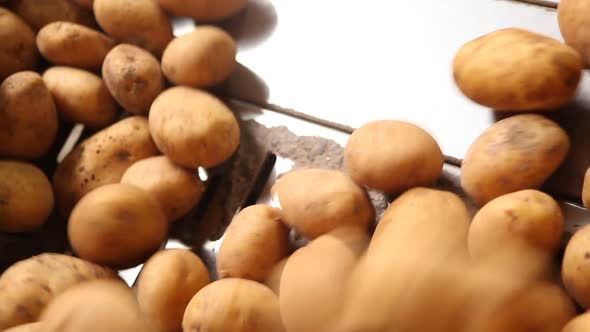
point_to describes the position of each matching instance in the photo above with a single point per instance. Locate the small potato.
(96, 306)
(575, 269)
(406, 156)
(193, 128)
(28, 118)
(71, 44)
(29, 285)
(253, 243)
(540, 74)
(215, 308)
(26, 197)
(133, 77)
(166, 284)
(81, 96)
(31, 327)
(177, 189)
(17, 50)
(204, 10)
(578, 324)
(139, 22)
(40, 13)
(528, 216)
(201, 59)
(574, 25)
(316, 201)
(101, 159)
(516, 153)
(130, 227)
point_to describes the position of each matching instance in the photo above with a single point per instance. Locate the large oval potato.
(578, 324)
(133, 77)
(215, 308)
(202, 58)
(28, 117)
(130, 227)
(81, 96)
(204, 10)
(177, 189)
(541, 73)
(575, 268)
(101, 159)
(514, 154)
(316, 201)
(40, 13)
(26, 197)
(71, 44)
(29, 285)
(193, 128)
(253, 243)
(407, 156)
(17, 50)
(31, 327)
(574, 24)
(166, 284)
(139, 22)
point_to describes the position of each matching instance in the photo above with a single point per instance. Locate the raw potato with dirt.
(17, 51)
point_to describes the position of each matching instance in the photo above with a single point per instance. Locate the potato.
(133, 77)
(178, 190)
(575, 268)
(81, 96)
(233, 305)
(578, 324)
(407, 156)
(130, 227)
(26, 197)
(71, 44)
(97, 306)
(573, 24)
(202, 58)
(101, 159)
(17, 51)
(193, 128)
(540, 74)
(29, 285)
(514, 154)
(586, 190)
(527, 216)
(31, 327)
(316, 201)
(163, 297)
(273, 280)
(253, 243)
(40, 13)
(204, 10)
(139, 22)
(28, 118)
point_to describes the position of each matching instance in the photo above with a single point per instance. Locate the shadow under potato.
(253, 25)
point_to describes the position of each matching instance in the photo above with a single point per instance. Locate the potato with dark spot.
(574, 25)
(133, 77)
(129, 228)
(17, 50)
(26, 197)
(100, 160)
(317, 201)
(541, 73)
(578, 324)
(514, 154)
(575, 268)
(28, 117)
(40, 13)
(138, 22)
(253, 243)
(31, 327)
(204, 10)
(71, 44)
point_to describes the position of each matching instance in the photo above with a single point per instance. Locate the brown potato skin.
(253, 243)
(130, 227)
(101, 159)
(31, 327)
(28, 117)
(586, 189)
(138, 22)
(514, 154)
(81, 96)
(71, 44)
(406, 156)
(26, 197)
(40, 13)
(29, 285)
(18, 51)
(163, 297)
(193, 128)
(202, 58)
(204, 10)
(541, 74)
(214, 308)
(273, 280)
(578, 324)
(575, 270)
(316, 201)
(133, 77)
(574, 24)
(85, 3)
